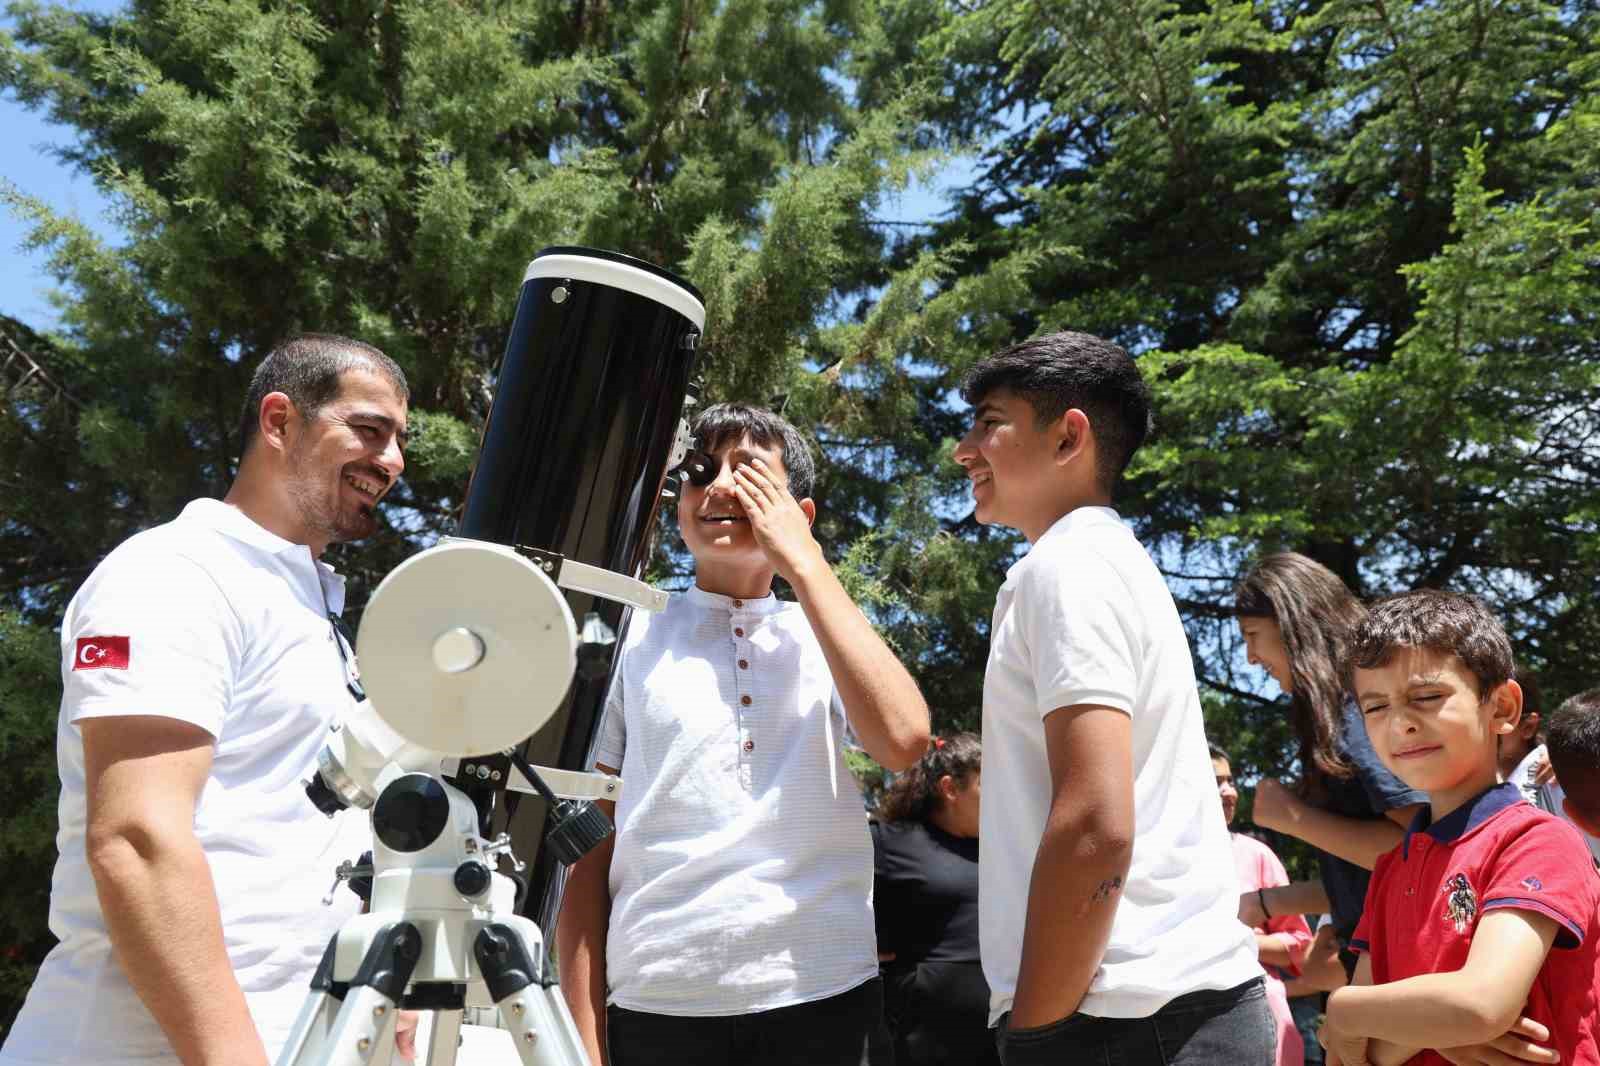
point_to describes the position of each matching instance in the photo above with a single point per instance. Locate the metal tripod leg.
(530, 1010)
(310, 1032)
(362, 1032)
(445, 1038)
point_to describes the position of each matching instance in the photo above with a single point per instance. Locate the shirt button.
(749, 745)
(738, 631)
(745, 700)
(744, 664)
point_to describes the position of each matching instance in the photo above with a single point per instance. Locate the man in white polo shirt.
(1107, 897)
(202, 668)
(729, 920)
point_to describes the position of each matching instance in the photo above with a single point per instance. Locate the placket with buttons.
(743, 624)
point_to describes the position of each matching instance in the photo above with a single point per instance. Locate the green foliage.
(30, 662)
(1353, 244)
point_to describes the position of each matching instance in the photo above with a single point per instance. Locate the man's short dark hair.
(1572, 736)
(1449, 622)
(308, 369)
(724, 422)
(1218, 753)
(1060, 371)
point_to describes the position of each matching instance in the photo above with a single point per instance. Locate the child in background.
(1457, 935)
(1525, 760)
(1574, 743)
(1281, 941)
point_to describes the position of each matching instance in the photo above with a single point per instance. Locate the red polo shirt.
(1497, 850)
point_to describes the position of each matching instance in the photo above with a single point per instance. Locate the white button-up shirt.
(742, 875)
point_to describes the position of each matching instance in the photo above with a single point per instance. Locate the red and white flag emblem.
(101, 653)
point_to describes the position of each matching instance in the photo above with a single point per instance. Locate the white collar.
(715, 601)
(232, 522)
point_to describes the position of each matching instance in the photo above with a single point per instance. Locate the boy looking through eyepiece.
(729, 918)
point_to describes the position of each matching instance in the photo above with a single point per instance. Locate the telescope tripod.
(440, 937)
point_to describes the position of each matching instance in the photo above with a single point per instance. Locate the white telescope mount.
(467, 648)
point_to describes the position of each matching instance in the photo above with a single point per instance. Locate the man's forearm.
(886, 708)
(1077, 884)
(160, 908)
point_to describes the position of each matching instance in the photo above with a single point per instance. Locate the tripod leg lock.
(503, 960)
(390, 960)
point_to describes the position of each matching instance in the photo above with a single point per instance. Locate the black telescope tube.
(586, 410)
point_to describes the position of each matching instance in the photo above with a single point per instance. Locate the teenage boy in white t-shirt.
(1107, 895)
(729, 920)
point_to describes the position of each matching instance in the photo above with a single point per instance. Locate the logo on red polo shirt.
(1533, 884)
(1461, 903)
(101, 653)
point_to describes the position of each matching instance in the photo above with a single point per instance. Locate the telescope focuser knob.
(578, 827)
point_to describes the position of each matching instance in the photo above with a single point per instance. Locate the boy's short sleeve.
(151, 634)
(1369, 930)
(1546, 869)
(613, 739)
(1076, 618)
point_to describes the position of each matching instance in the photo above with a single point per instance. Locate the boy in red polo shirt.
(1461, 919)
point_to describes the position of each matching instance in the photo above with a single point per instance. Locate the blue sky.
(27, 162)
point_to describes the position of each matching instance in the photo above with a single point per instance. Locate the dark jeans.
(1229, 1028)
(828, 1032)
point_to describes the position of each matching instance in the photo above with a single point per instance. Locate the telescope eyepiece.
(699, 467)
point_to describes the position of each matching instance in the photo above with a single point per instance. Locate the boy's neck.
(1063, 507)
(1445, 801)
(742, 583)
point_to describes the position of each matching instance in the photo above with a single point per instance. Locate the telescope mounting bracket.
(581, 577)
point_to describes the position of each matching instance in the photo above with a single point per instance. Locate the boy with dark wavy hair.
(1457, 936)
(1109, 907)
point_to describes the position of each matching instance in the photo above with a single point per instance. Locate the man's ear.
(1073, 436)
(1506, 709)
(275, 416)
(809, 507)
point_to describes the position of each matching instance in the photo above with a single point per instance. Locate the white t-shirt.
(1085, 617)
(223, 625)
(742, 875)
(1547, 796)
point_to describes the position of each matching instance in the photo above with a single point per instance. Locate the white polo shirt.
(742, 875)
(212, 620)
(1085, 617)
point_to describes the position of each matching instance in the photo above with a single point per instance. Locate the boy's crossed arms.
(1470, 1016)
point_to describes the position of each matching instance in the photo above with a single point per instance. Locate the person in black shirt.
(925, 898)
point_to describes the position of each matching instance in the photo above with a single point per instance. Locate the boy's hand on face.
(781, 526)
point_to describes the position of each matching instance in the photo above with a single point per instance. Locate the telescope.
(481, 677)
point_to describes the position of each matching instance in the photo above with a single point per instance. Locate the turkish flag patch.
(101, 653)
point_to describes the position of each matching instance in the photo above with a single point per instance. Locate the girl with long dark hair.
(1295, 616)
(925, 899)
